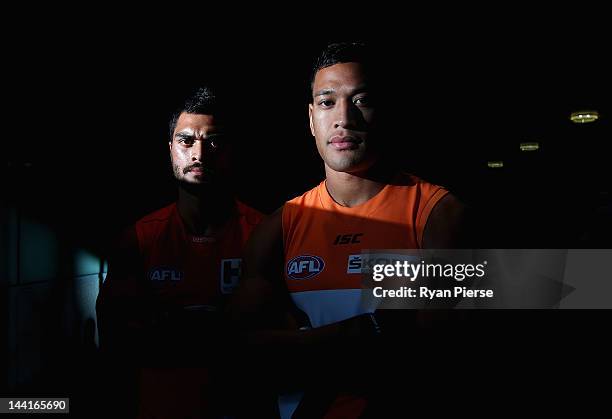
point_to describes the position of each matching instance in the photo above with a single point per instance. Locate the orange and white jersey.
(323, 242)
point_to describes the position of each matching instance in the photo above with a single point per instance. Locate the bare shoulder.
(449, 205)
(446, 227)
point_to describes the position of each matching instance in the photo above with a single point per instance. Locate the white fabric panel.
(329, 306)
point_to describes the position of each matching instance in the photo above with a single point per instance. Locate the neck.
(352, 189)
(202, 208)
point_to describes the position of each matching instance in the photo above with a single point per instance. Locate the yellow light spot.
(495, 164)
(584, 117)
(531, 146)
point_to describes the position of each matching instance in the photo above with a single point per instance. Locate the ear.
(310, 109)
(170, 146)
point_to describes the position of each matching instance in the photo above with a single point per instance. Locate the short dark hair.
(342, 52)
(204, 101)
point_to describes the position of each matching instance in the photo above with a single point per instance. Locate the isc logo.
(304, 267)
(164, 273)
(348, 238)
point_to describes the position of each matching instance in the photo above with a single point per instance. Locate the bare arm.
(447, 225)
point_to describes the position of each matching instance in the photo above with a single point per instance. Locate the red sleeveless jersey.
(186, 270)
(181, 270)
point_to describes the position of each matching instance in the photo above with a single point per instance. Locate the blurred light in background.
(584, 117)
(530, 146)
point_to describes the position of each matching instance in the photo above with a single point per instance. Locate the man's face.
(342, 117)
(198, 150)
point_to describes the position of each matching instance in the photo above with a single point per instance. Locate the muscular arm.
(447, 225)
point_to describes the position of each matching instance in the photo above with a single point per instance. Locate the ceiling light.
(530, 146)
(584, 117)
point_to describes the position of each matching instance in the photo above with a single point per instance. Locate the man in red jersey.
(317, 238)
(172, 271)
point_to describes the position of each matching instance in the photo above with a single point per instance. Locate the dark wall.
(93, 124)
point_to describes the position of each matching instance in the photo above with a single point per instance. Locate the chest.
(193, 270)
(325, 252)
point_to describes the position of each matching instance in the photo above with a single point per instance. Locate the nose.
(196, 151)
(346, 115)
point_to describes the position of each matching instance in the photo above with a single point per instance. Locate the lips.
(344, 142)
(197, 170)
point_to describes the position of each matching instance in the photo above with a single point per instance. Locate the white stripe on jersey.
(324, 307)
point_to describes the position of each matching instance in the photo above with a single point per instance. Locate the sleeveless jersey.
(323, 242)
(191, 270)
(183, 272)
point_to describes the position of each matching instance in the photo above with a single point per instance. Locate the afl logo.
(304, 267)
(164, 273)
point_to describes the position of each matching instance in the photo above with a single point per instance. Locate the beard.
(207, 177)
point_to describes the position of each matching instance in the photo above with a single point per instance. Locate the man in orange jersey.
(169, 277)
(363, 203)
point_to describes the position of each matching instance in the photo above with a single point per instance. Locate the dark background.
(85, 155)
(91, 125)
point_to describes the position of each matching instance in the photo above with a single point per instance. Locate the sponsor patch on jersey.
(203, 239)
(363, 263)
(165, 273)
(354, 264)
(230, 274)
(304, 267)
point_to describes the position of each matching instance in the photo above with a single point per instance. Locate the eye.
(363, 101)
(326, 103)
(188, 141)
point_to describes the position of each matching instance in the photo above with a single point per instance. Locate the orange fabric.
(200, 262)
(323, 242)
(314, 225)
(182, 270)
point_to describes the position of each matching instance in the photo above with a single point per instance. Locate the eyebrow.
(324, 92)
(187, 135)
(359, 89)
